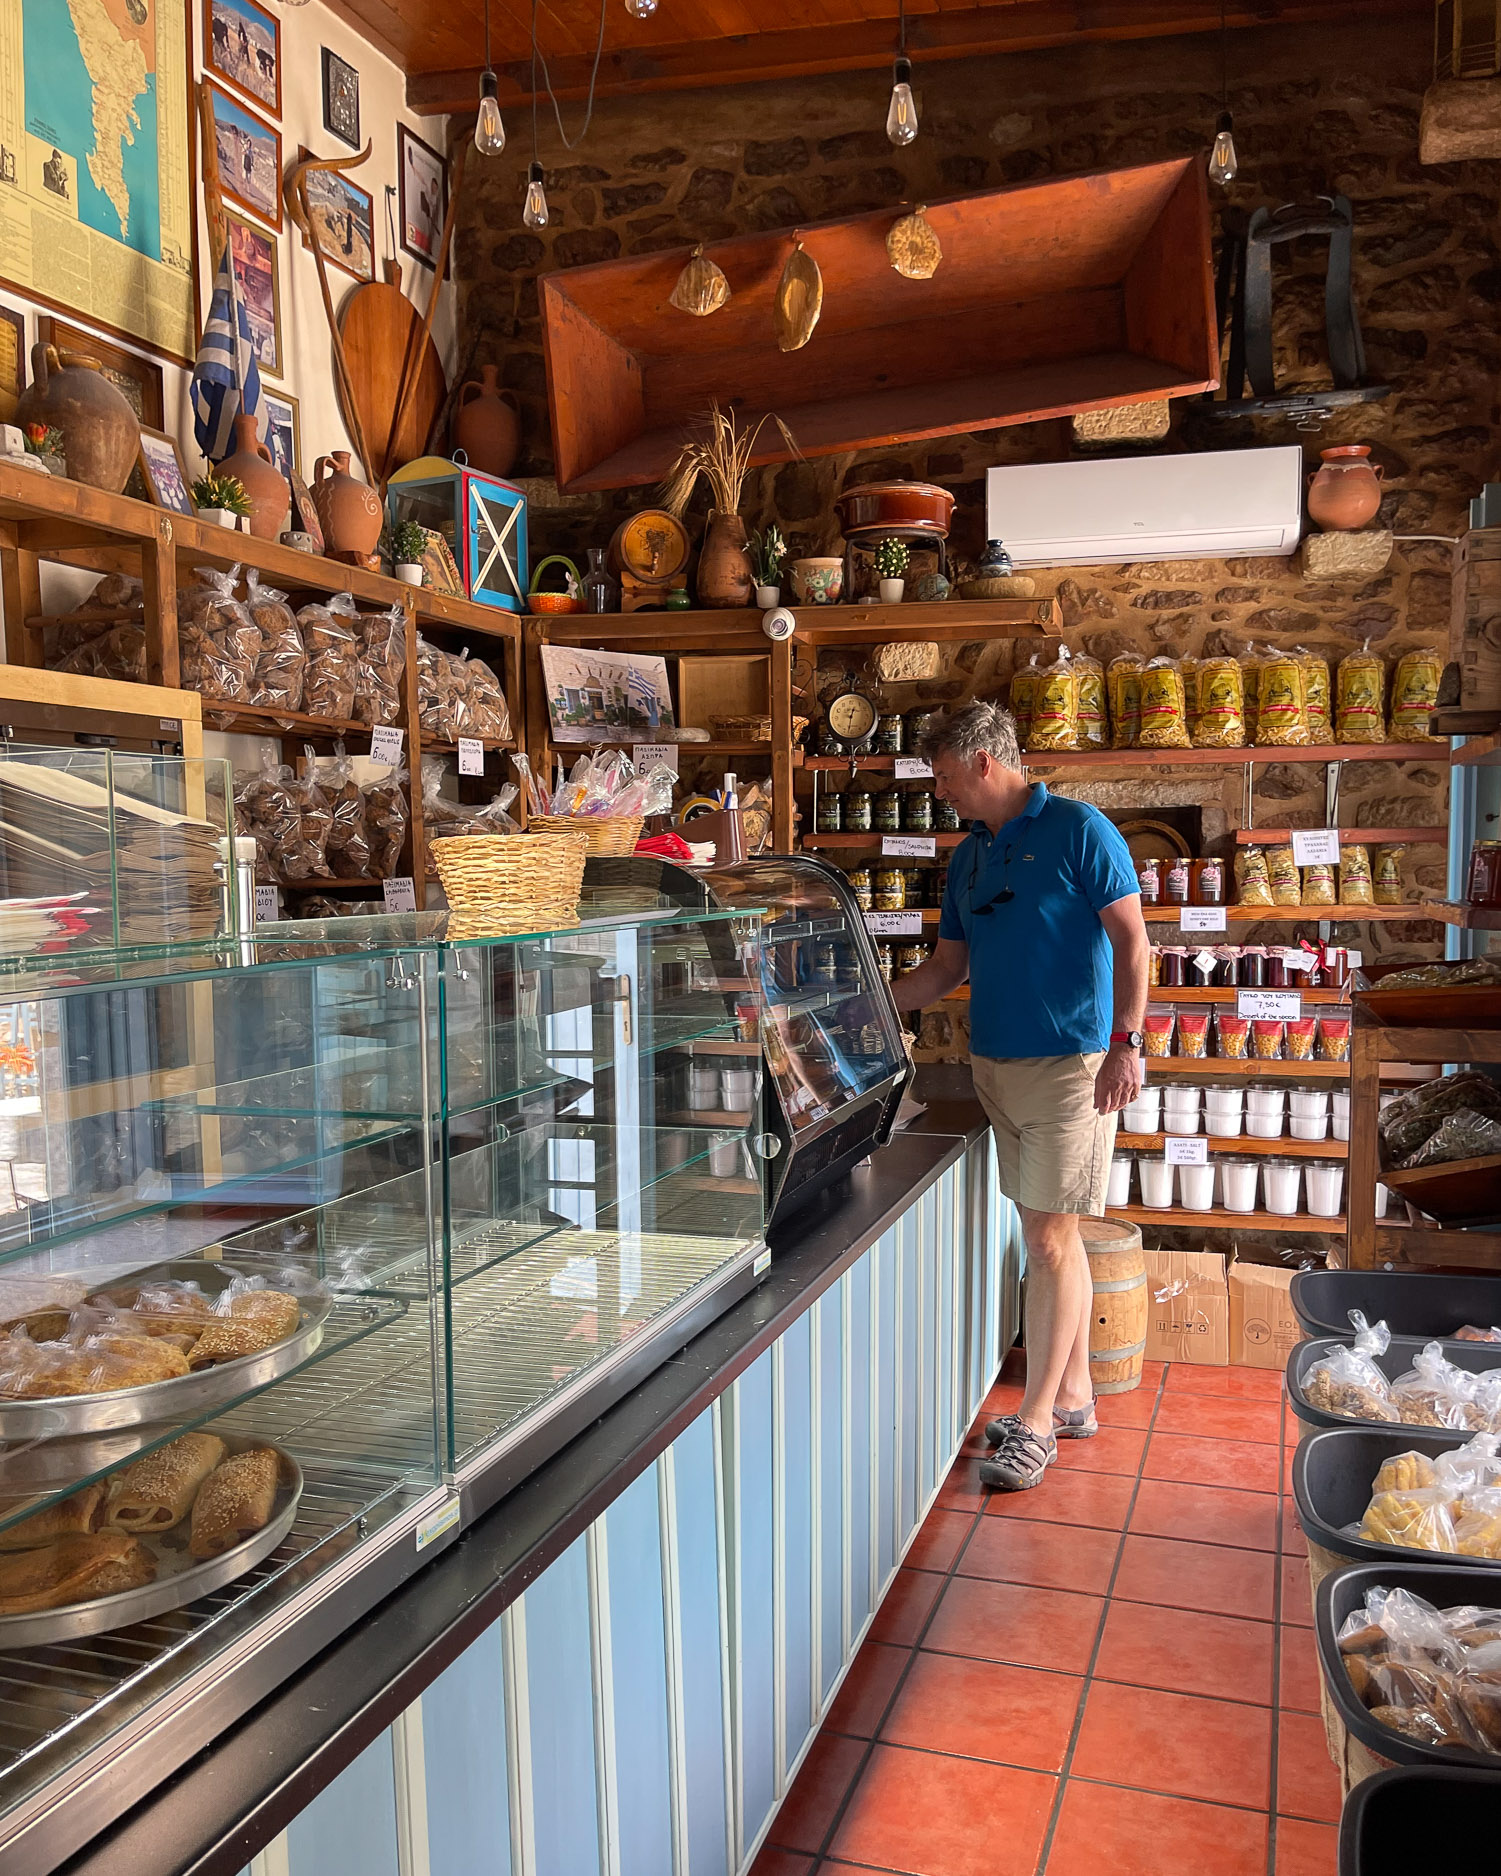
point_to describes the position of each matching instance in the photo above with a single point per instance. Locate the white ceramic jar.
(1238, 1177)
(1326, 1185)
(1283, 1179)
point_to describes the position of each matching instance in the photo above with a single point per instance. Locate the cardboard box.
(1263, 1328)
(1188, 1307)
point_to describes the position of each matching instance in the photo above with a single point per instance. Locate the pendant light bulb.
(1222, 159)
(640, 9)
(901, 116)
(535, 212)
(489, 131)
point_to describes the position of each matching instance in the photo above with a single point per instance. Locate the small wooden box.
(722, 686)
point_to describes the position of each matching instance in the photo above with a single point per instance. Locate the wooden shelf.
(873, 624)
(732, 1182)
(264, 720)
(1466, 917)
(1192, 1065)
(1174, 1217)
(1242, 1144)
(816, 841)
(720, 1045)
(1219, 758)
(1428, 1248)
(1348, 836)
(1454, 721)
(1479, 752)
(1227, 993)
(1300, 914)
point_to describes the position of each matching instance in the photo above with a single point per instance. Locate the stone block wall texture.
(1332, 109)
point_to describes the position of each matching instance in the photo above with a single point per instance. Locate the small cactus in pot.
(891, 561)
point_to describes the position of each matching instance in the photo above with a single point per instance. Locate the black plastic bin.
(1409, 1302)
(1421, 1821)
(1403, 1351)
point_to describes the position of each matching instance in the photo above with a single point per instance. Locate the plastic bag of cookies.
(1348, 1382)
(218, 640)
(331, 635)
(281, 667)
(382, 665)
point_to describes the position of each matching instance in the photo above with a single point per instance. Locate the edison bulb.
(489, 131)
(640, 9)
(535, 213)
(1222, 161)
(901, 115)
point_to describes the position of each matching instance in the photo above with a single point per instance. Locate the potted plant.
(891, 560)
(721, 455)
(221, 498)
(767, 552)
(408, 543)
(46, 444)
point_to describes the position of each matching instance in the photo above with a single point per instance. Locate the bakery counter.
(636, 1644)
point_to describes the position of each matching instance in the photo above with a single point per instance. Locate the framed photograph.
(344, 216)
(242, 45)
(257, 282)
(594, 696)
(12, 361)
(249, 158)
(440, 572)
(341, 99)
(138, 378)
(423, 178)
(282, 434)
(160, 464)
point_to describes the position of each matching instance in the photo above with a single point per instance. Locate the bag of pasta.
(1250, 678)
(281, 667)
(1253, 882)
(1189, 667)
(1221, 720)
(1164, 714)
(1287, 882)
(1123, 680)
(1360, 698)
(348, 847)
(1055, 707)
(1092, 732)
(331, 634)
(1477, 1529)
(1281, 713)
(1415, 696)
(1386, 875)
(1318, 884)
(1023, 690)
(1316, 697)
(1347, 1381)
(1355, 876)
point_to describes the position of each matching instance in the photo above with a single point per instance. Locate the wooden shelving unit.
(836, 841)
(1348, 836)
(1465, 917)
(1174, 1217)
(1227, 993)
(1168, 1066)
(1251, 756)
(1299, 914)
(1238, 1144)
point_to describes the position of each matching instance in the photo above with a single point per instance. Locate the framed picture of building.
(258, 285)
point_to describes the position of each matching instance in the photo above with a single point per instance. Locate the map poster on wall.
(96, 199)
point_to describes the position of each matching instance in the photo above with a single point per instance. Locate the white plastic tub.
(1326, 1186)
(1382, 1195)
(1144, 1115)
(724, 1155)
(1308, 1103)
(1308, 1127)
(739, 1088)
(1224, 1111)
(1238, 1178)
(1266, 1101)
(1341, 1113)
(1264, 1126)
(1118, 1190)
(1283, 1179)
(703, 1085)
(1181, 1110)
(1196, 1187)
(1157, 1184)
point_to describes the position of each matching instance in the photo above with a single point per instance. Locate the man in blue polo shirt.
(1043, 915)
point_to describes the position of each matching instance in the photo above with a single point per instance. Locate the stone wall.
(1333, 109)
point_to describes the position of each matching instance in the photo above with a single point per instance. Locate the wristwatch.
(1131, 1037)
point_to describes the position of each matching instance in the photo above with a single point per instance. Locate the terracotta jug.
(348, 509)
(724, 569)
(487, 425)
(1346, 491)
(270, 498)
(101, 437)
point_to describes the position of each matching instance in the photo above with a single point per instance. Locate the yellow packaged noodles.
(1281, 715)
(1355, 887)
(1386, 875)
(1360, 698)
(1318, 884)
(1316, 698)
(1092, 733)
(1164, 716)
(1253, 882)
(1123, 681)
(1190, 670)
(1055, 707)
(1415, 696)
(1221, 722)
(1023, 689)
(1287, 883)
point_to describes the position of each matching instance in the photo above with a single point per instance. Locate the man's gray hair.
(968, 731)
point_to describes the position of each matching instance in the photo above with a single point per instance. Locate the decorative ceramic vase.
(724, 569)
(101, 437)
(348, 509)
(891, 591)
(995, 561)
(270, 498)
(487, 425)
(818, 581)
(1346, 491)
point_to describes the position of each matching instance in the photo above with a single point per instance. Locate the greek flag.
(226, 377)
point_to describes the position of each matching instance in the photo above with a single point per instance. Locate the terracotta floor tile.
(962, 1490)
(1088, 1498)
(1298, 1680)
(1210, 1577)
(980, 1710)
(1038, 1628)
(1218, 1750)
(1289, 1457)
(906, 1607)
(1297, 1597)
(774, 1861)
(1307, 1783)
(1050, 1556)
(937, 1543)
(1205, 1514)
(1235, 1463)
(937, 1816)
(1152, 1373)
(1113, 1449)
(1148, 1835)
(817, 1792)
(1305, 1849)
(1004, 1398)
(1186, 1652)
(867, 1689)
(1211, 1417)
(1127, 1410)
(1238, 1383)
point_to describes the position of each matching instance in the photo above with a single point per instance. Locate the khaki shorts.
(1053, 1148)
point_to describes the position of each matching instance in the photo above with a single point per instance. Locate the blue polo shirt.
(1039, 965)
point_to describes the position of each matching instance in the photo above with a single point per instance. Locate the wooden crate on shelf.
(712, 686)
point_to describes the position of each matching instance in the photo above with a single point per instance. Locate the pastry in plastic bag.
(281, 667)
(1316, 697)
(1253, 881)
(1092, 729)
(1413, 1520)
(1123, 683)
(1415, 696)
(348, 845)
(1435, 1392)
(1348, 1382)
(1360, 698)
(386, 818)
(218, 641)
(1405, 1472)
(1477, 1527)
(382, 665)
(1281, 711)
(1221, 719)
(1055, 707)
(330, 634)
(118, 653)
(1164, 715)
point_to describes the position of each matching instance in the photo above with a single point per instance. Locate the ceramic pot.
(270, 498)
(348, 509)
(220, 517)
(818, 581)
(101, 437)
(767, 597)
(409, 572)
(1346, 491)
(487, 425)
(891, 591)
(724, 568)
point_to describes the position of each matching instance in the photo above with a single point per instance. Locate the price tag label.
(1189, 1150)
(170, 723)
(645, 754)
(1202, 918)
(1354, 959)
(894, 924)
(1273, 1006)
(385, 744)
(471, 756)
(400, 895)
(910, 768)
(1316, 846)
(908, 846)
(267, 905)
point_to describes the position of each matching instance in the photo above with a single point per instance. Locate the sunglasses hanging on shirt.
(1003, 897)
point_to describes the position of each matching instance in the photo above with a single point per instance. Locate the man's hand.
(1118, 1082)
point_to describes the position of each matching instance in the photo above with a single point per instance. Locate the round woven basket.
(605, 834)
(531, 878)
(754, 729)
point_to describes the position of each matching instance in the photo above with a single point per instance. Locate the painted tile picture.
(242, 45)
(424, 196)
(344, 216)
(341, 99)
(254, 254)
(592, 695)
(249, 158)
(281, 431)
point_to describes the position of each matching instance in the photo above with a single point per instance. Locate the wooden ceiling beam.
(1023, 26)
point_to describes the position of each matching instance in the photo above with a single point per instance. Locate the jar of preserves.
(886, 811)
(908, 957)
(856, 811)
(862, 886)
(1149, 880)
(830, 816)
(1226, 964)
(891, 889)
(890, 740)
(945, 817)
(1172, 971)
(918, 723)
(917, 811)
(826, 962)
(1485, 873)
(1198, 969)
(1206, 885)
(1175, 882)
(1276, 968)
(885, 960)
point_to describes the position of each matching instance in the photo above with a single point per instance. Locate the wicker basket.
(529, 882)
(605, 834)
(754, 729)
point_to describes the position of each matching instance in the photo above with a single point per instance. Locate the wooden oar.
(411, 369)
(294, 193)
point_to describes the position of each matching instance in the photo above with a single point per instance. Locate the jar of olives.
(945, 817)
(886, 811)
(891, 889)
(917, 815)
(862, 886)
(889, 737)
(830, 816)
(856, 811)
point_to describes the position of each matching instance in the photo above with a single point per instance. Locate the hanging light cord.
(901, 28)
(1224, 59)
(538, 54)
(487, 36)
(534, 86)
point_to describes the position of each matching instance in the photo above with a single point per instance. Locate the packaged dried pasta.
(1318, 884)
(1092, 732)
(1286, 881)
(1316, 697)
(1355, 876)
(1023, 689)
(1281, 713)
(1250, 677)
(1415, 696)
(1164, 717)
(1360, 698)
(1221, 719)
(1189, 667)
(1253, 881)
(1386, 875)
(1055, 707)
(1123, 682)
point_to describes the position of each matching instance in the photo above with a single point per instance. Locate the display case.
(311, 1244)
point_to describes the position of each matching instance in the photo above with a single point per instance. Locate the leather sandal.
(1069, 1423)
(1019, 1462)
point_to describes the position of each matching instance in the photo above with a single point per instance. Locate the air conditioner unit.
(1113, 508)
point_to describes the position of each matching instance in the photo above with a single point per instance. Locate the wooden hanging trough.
(1074, 294)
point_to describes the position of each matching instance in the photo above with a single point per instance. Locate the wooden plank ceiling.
(691, 43)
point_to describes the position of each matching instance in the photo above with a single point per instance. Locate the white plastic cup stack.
(1238, 1178)
(1264, 1112)
(703, 1085)
(1223, 1111)
(1118, 1191)
(1181, 1109)
(739, 1088)
(1196, 1187)
(1382, 1195)
(1144, 1115)
(1283, 1179)
(1157, 1184)
(1326, 1185)
(1341, 1099)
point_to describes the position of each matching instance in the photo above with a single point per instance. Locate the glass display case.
(310, 1244)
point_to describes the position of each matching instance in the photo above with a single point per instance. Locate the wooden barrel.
(1118, 1327)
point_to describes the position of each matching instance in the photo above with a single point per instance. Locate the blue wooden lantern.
(482, 519)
